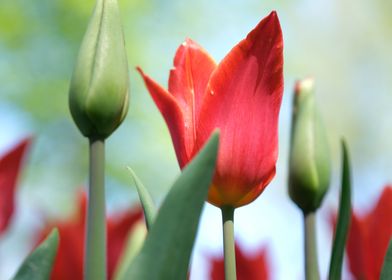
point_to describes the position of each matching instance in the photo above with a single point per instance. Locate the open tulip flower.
(241, 96)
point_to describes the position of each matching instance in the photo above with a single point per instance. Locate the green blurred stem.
(311, 262)
(228, 242)
(95, 256)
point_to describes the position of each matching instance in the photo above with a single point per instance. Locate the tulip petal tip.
(139, 70)
(273, 14)
(187, 41)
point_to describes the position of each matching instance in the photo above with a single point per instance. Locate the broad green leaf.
(145, 199)
(386, 273)
(166, 252)
(335, 268)
(38, 265)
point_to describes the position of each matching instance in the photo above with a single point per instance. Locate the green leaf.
(38, 265)
(167, 249)
(145, 199)
(335, 268)
(386, 273)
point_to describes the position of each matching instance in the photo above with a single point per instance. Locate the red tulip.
(369, 237)
(241, 96)
(249, 267)
(10, 167)
(69, 259)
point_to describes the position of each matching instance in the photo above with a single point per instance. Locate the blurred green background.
(344, 44)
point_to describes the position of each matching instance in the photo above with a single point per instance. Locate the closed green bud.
(309, 166)
(98, 96)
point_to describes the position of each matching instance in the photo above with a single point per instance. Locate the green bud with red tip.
(98, 96)
(309, 165)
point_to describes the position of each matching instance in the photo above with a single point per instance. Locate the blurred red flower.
(241, 96)
(249, 267)
(69, 260)
(10, 168)
(369, 237)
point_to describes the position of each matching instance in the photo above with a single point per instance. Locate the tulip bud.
(98, 96)
(309, 166)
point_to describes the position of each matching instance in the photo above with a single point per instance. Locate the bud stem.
(95, 255)
(228, 242)
(311, 262)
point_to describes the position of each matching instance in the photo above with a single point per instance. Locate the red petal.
(69, 258)
(357, 248)
(173, 116)
(379, 229)
(188, 80)
(217, 271)
(369, 238)
(243, 100)
(10, 166)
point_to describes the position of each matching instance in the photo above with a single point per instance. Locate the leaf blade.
(38, 265)
(148, 205)
(386, 272)
(341, 232)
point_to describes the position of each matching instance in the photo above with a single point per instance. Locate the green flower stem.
(95, 256)
(228, 242)
(311, 263)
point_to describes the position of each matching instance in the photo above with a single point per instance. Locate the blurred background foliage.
(344, 44)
